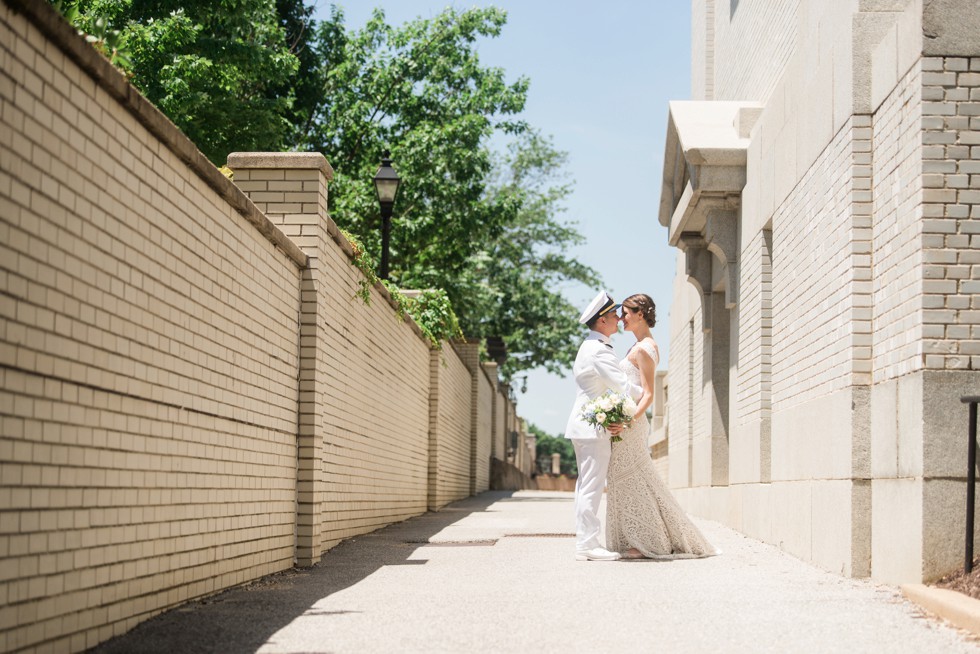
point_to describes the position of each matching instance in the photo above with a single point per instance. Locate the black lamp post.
(386, 186)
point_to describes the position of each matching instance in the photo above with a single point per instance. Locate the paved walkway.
(495, 573)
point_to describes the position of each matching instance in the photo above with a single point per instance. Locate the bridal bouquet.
(607, 409)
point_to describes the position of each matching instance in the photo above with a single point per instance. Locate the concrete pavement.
(495, 573)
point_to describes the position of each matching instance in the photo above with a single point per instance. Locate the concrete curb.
(957, 608)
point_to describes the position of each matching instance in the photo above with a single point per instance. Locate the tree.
(420, 91)
(528, 263)
(221, 71)
(548, 445)
(484, 228)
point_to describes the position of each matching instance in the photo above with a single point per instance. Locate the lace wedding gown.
(641, 512)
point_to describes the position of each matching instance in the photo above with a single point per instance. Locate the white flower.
(600, 417)
(629, 405)
(606, 403)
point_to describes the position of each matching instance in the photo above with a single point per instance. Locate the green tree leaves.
(482, 227)
(546, 445)
(222, 71)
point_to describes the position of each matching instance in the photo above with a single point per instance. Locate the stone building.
(823, 190)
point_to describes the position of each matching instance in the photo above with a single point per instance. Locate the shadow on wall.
(556, 482)
(506, 476)
(245, 618)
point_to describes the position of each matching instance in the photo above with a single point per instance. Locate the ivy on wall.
(430, 309)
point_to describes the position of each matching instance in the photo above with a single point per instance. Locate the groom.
(596, 371)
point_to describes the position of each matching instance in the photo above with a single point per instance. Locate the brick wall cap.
(278, 160)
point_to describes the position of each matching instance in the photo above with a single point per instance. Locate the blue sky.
(601, 76)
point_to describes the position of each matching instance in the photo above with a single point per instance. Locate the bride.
(643, 520)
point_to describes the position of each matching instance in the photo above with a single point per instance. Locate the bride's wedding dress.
(641, 512)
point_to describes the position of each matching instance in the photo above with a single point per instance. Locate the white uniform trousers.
(593, 457)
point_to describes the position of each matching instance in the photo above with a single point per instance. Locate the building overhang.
(704, 162)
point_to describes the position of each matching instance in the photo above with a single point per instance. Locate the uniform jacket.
(596, 371)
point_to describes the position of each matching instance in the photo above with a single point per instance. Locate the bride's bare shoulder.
(650, 348)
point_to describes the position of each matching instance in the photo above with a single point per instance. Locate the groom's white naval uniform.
(596, 371)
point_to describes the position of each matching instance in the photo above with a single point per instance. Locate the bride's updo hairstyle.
(644, 304)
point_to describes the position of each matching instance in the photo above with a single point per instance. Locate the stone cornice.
(704, 161)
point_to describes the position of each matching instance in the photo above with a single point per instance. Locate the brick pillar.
(291, 189)
(469, 352)
(496, 430)
(435, 388)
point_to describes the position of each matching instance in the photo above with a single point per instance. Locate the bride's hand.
(615, 428)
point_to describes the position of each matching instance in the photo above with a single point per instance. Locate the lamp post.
(386, 183)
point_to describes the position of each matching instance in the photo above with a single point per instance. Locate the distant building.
(823, 187)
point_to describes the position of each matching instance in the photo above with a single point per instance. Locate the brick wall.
(191, 397)
(754, 383)
(501, 434)
(483, 401)
(148, 366)
(819, 245)
(897, 251)
(951, 212)
(450, 434)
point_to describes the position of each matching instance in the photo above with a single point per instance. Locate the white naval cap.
(602, 304)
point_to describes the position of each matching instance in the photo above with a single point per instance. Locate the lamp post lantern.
(386, 183)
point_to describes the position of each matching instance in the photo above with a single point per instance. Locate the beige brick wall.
(370, 368)
(484, 393)
(450, 446)
(190, 395)
(148, 357)
(376, 414)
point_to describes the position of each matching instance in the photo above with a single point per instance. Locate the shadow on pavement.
(243, 619)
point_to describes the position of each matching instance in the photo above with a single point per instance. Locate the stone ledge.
(956, 608)
(280, 160)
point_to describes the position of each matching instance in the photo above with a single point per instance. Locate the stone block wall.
(191, 395)
(755, 43)
(702, 49)
(686, 401)
(928, 204)
(862, 169)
